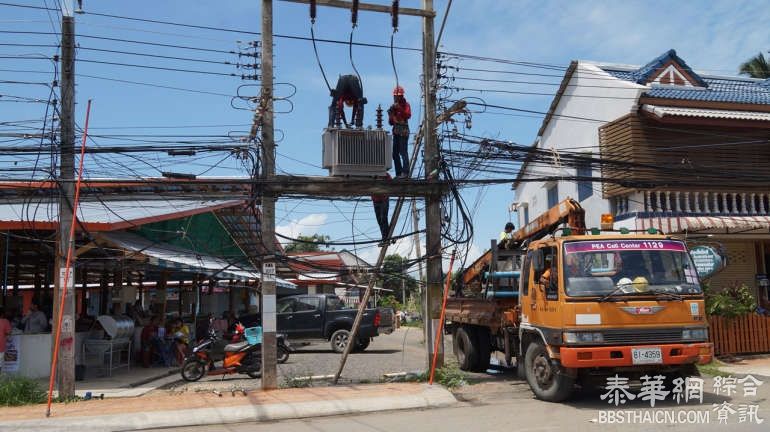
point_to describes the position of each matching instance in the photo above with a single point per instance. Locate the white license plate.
(646, 356)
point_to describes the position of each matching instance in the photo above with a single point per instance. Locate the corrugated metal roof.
(104, 215)
(662, 111)
(178, 258)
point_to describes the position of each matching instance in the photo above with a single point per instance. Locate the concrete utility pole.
(269, 349)
(433, 291)
(66, 362)
(416, 229)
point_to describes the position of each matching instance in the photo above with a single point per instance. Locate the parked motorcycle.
(237, 357)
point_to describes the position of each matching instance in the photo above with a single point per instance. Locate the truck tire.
(463, 344)
(543, 377)
(482, 348)
(339, 340)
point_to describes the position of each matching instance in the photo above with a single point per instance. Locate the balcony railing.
(722, 203)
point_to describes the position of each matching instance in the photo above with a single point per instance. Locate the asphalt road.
(400, 351)
(501, 402)
(493, 401)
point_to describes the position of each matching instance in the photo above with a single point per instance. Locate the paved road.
(401, 351)
(503, 403)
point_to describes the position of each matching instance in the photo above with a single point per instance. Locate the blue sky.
(714, 37)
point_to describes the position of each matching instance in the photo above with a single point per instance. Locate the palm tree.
(756, 67)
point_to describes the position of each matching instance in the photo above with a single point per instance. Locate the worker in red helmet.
(347, 93)
(398, 117)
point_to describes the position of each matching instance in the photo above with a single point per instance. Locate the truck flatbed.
(493, 313)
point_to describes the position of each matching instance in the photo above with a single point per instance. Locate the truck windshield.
(628, 267)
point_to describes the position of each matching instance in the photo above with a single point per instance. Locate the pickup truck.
(309, 317)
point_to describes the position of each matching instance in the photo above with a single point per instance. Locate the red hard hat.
(398, 91)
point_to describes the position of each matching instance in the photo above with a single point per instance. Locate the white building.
(662, 114)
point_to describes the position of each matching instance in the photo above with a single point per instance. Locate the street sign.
(268, 272)
(708, 260)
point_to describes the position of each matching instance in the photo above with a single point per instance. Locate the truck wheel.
(339, 340)
(362, 344)
(463, 346)
(482, 348)
(543, 377)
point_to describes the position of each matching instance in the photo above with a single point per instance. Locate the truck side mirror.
(708, 260)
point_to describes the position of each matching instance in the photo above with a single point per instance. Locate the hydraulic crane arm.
(568, 211)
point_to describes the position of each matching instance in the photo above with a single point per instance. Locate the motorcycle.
(237, 357)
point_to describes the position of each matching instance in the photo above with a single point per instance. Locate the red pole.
(440, 328)
(68, 264)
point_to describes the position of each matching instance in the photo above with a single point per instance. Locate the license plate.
(646, 356)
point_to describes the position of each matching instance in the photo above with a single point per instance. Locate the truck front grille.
(642, 336)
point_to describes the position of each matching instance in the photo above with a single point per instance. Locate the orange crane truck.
(583, 305)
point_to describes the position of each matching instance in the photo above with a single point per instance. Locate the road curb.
(428, 397)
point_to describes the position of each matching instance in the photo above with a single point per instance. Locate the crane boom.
(568, 211)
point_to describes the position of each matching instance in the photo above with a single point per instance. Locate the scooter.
(237, 357)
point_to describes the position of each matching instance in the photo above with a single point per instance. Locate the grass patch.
(15, 391)
(449, 376)
(712, 369)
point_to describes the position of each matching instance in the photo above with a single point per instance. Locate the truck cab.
(594, 305)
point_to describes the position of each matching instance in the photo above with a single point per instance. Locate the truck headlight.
(695, 334)
(582, 337)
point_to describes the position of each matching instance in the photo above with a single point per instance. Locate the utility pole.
(416, 229)
(66, 361)
(433, 291)
(269, 350)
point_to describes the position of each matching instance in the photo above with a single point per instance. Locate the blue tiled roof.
(714, 89)
(642, 75)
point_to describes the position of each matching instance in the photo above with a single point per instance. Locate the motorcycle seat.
(235, 347)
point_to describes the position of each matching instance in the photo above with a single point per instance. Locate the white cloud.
(308, 225)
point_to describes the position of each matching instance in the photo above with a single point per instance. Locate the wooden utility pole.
(432, 203)
(269, 349)
(66, 360)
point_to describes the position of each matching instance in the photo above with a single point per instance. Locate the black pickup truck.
(321, 316)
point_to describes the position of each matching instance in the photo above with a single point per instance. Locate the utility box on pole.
(357, 152)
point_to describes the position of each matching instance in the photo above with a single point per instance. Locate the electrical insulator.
(354, 13)
(394, 14)
(379, 116)
(312, 11)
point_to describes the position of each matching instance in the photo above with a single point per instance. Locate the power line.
(156, 67)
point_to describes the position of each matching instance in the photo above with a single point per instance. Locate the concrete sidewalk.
(756, 365)
(136, 382)
(193, 409)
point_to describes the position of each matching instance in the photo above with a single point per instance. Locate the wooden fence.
(743, 335)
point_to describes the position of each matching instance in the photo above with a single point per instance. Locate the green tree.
(305, 243)
(756, 67)
(394, 276)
